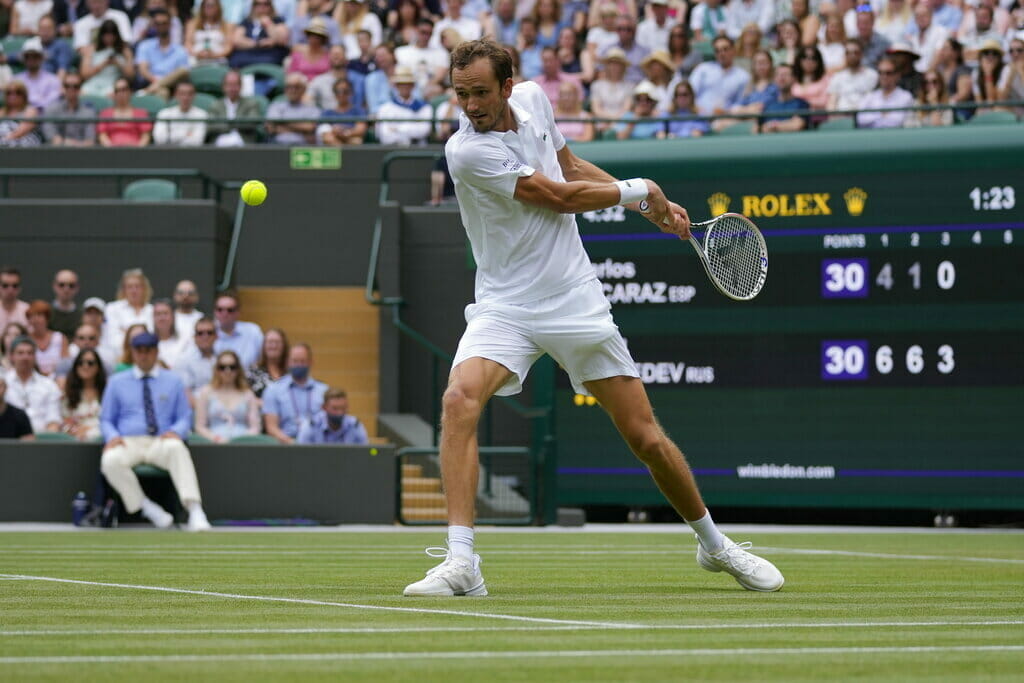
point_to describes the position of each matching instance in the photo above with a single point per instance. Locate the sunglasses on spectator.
(67, 285)
(886, 72)
(1016, 50)
(88, 363)
(204, 333)
(73, 86)
(989, 53)
(185, 292)
(227, 367)
(226, 309)
(10, 285)
(81, 337)
(122, 89)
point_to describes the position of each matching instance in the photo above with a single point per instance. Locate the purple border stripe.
(645, 236)
(967, 474)
(640, 470)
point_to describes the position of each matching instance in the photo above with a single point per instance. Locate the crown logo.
(855, 199)
(719, 203)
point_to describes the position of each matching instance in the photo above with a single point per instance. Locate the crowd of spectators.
(60, 357)
(320, 71)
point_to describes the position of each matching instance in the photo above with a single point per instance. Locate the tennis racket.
(734, 254)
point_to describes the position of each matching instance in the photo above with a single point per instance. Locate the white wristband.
(632, 190)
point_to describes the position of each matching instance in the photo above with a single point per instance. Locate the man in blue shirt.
(780, 115)
(718, 85)
(244, 338)
(333, 424)
(292, 401)
(145, 418)
(161, 62)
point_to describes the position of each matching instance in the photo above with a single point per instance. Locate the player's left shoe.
(750, 571)
(455, 576)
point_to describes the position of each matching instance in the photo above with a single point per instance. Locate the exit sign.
(316, 158)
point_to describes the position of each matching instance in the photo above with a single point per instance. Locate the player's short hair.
(470, 51)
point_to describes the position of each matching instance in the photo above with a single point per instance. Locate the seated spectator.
(378, 81)
(183, 124)
(429, 64)
(310, 59)
(6, 73)
(83, 390)
(811, 78)
(887, 96)
(145, 419)
(14, 423)
(709, 19)
(65, 314)
(719, 85)
(787, 42)
(933, 94)
(70, 133)
(989, 73)
(684, 58)
(530, 61)
(333, 424)
(547, 15)
(949, 62)
(59, 54)
(208, 35)
(171, 344)
(873, 43)
(904, 57)
(468, 27)
(105, 60)
(744, 12)
(747, 44)
(273, 362)
(130, 307)
(316, 9)
(640, 122)
(124, 360)
(261, 38)
(291, 401)
(132, 127)
(43, 86)
(25, 16)
(31, 391)
(552, 77)
(244, 338)
(571, 59)
(195, 366)
(142, 24)
(659, 69)
(653, 31)
(161, 62)
(779, 114)
(51, 345)
(321, 89)
(760, 89)
(807, 22)
(85, 338)
(574, 123)
(353, 16)
(979, 27)
(602, 35)
(297, 120)
(86, 25)
(848, 87)
(610, 92)
(683, 105)
(11, 331)
(234, 10)
(833, 48)
(1011, 85)
(339, 133)
(402, 22)
(186, 298)
(12, 309)
(502, 26)
(405, 120)
(223, 134)
(365, 57)
(227, 407)
(625, 28)
(925, 36)
(23, 133)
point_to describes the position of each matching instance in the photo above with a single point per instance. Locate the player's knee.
(458, 405)
(648, 443)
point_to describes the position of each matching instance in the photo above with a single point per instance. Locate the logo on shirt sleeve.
(512, 165)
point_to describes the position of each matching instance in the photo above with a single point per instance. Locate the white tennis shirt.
(523, 253)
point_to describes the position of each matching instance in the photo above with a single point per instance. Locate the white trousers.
(169, 454)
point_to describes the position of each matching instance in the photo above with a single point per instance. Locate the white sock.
(193, 505)
(460, 541)
(710, 537)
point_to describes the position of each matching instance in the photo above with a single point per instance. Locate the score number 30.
(848, 359)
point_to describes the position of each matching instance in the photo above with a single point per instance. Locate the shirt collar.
(154, 373)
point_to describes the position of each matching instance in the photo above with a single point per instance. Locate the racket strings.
(734, 255)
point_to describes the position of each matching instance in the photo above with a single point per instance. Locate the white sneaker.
(455, 576)
(750, 571)
(162, 519)
(197, 521)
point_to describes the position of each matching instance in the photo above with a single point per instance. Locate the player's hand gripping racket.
(733, 254)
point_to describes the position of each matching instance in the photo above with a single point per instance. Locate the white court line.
(887, 556)
(325, 603)
(475, 629)
(521, 654)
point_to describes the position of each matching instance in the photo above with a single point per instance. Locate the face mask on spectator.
(334, 421)
(299, 372)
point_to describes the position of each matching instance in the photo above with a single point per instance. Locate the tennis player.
(518, 185)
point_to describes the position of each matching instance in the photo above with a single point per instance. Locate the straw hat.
(403, 74)
(615, 54)
(318, 27)
(661, 57)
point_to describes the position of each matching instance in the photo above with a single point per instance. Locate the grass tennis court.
(573, 606)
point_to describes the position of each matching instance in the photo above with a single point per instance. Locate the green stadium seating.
(151, 190)
(99, 102)
(208, 77)
(54, 436)
(151, 103)
(202, 100)
(273, 72)
(990, 118)
(742, 128)
(254, 439)
(844, 123)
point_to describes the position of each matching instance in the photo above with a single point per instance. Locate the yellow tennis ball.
(254, 193)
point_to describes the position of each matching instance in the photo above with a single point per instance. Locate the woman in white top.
(610, 93)
(171, 344)
(132, 306)
(25, 16)
(352, 17)
(208, 35)
(51, 345)
(82, 393)
(226, 407)
(893, 20)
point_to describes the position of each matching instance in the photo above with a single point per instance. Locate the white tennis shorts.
(574, 327)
